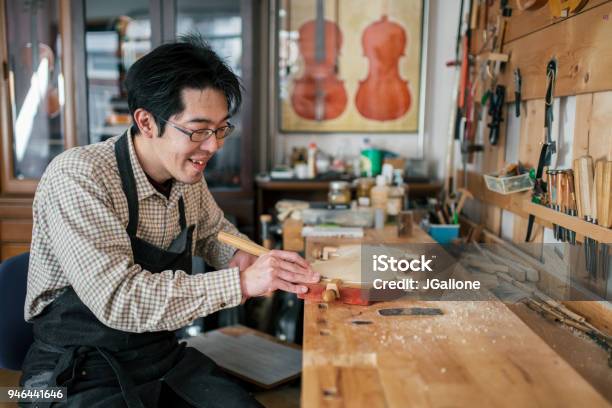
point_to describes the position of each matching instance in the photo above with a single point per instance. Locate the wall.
(443, 17)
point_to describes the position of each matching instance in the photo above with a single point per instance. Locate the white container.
(301, 170)
(508, 185)
(379, 195)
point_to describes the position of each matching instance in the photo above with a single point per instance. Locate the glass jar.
(339, 193)
(364, 186)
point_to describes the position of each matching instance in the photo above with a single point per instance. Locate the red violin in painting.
(383, 95)
(319, 94)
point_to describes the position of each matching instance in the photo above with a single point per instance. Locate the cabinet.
(63, 63)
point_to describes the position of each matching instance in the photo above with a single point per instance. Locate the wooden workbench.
(474, 354)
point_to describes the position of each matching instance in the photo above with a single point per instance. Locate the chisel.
(572, 202)
(605, 215)
(585, 180)
(595, 194)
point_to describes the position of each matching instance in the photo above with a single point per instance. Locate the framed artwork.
(350, 65)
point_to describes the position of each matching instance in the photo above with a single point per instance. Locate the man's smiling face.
(177, 155)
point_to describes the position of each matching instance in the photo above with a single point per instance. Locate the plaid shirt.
(79, 239)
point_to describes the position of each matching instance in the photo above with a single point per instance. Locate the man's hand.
(242, 260)
(277, 269)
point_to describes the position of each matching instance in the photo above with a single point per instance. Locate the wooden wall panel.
(525, 22)
(600, 131)
(582, 125)
(593, 130)
(583, 50)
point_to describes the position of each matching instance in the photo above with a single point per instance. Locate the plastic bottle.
(380, 195)
(371, 159)
(387, 171)
(312, 160)
(395, 202)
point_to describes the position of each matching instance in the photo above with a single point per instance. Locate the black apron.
(104, 367)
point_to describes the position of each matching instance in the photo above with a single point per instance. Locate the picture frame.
(350, 66)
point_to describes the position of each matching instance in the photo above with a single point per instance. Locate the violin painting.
(350, 65)
(319, 94)
(383, 95)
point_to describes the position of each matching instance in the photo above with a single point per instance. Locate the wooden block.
(606, 201)
(292, 235)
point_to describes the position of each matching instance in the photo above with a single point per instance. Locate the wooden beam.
(521, 205)
(581, 227)
(581, 45)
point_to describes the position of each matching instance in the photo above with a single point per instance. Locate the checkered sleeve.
(94, 252)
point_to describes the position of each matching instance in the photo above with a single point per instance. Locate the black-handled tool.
(549, 147)
(496, 107)
(518, 83)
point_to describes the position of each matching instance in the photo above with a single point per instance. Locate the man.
(115, 227)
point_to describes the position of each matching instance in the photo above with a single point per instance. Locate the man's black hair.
(156, 80)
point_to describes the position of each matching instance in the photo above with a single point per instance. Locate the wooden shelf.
(572, 223)
(521, 205)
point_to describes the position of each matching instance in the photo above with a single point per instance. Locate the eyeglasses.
(201, 135)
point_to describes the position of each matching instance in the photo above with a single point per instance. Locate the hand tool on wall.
(605, 215)
(584, 179)
(454, 117)
(551, 195)
(560, 197)
(601, 197)
(573, 203)
(496, 110)
(549, 147)
(597, 182)
(518, 84)
(561, 201)
(551, 77)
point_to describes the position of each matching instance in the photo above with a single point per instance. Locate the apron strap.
(128, 182)
(183, 221)
(128, 389)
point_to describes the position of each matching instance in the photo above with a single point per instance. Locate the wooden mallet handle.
(242, 244)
